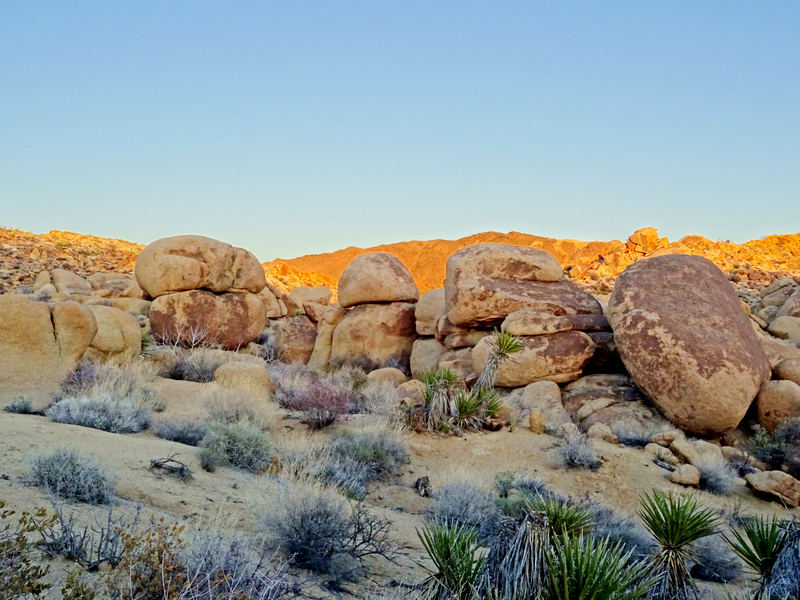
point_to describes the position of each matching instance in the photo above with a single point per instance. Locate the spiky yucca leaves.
(454, 551)
(439, 389)
(469, 410)
(491, 401)
(563, 518)
(517, 569)
(585, 568)
(758, 542)
(675, 522)
(502, 346)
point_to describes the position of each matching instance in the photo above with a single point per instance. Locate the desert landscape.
(498, 416)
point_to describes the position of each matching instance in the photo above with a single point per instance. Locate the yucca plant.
(585, 568)
(758, 542)
(516, 570)
(675, 522)
(502, 346)
(469, 410)
(563, 518)
(491, 401)
(454, 551)
(439, 389)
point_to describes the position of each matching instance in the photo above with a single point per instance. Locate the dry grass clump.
(19, 406)
(716, 475)
(577, 452)
(462, 503)
(107, 413)
(69, 475)
(231, 406)
(235, 445)
(186, 432)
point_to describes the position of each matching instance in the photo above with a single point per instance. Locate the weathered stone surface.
(39, 345)
(315, 310)
(606, 359)
(444, 328)
(685, 475)
(541, 357)
(69, 283)
(230, 320)
(602, 380)
(662, 454)
(776, 483)
(601, 431)
(537, 422)
(319, 294)
(377, 331)
(786, 328)
(530, 321)
(778, 399)
(272, 309)
(545, 396)
(387, 375)
(412, 393)
(245, 377)
(487, 282)
(459, 361)
(787, 369)
(685, 451)
(192, 262)
(775, 349)
(575, 399)
(118, 338)
(790, 308)
(430, 308)
(295, 338)
(465, 340)
(425, 355)
(686, 342)
(321, 356)
(135, 306)
(376, 277)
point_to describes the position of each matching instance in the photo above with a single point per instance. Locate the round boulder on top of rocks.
(376, 277)
(430, 308)
(230, 320)
(778, 399)
(558, 357)
(192, 262)
(40, 344)
(118, 338)
(377, 331)
(487, 282)
(686, 342)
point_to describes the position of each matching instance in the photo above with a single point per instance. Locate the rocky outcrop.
(321, 356)
(193, 262)
(487, 282)
(229, 320)
(687, 343)
(430, 309)
(376, 277)
(425, 355)
(39, 345)
(380, 332)
(118, 338)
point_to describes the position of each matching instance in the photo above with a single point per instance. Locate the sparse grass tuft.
(779, 447)
(577, 452)
(633, 437)
(235, 445)
(19, 406)
(71, 476)
(190, 433)
(108, 413)
(716, 476)
(462, 503)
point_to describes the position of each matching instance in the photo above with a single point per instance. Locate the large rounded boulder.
(686, 342)
(487, 282)
(118, 338)
(380, 332)
(193, 262)
(229, 320)
(376, 277)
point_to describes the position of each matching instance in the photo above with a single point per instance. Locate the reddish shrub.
(321, 403)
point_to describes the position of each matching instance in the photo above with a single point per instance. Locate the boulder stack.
(204, 290)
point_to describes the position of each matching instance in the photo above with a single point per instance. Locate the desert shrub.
(440, 388)
(190, 433)
(90, 547)
(20, 576)
(758, 542)
(579, 564)
(108, 413)
(317, 530)
(290, 379)
(235, 445)
(577, 452)
(531, 486)
(462, 503)
(321, 404)
(92, 380)
(784, 578)
(630, 537)
(379, 398)
(715, 561)
(676, 523)
(196, 364)
(777, 447)
(71, 476)
(631, 436)
(230, 406)
(516, 492)
(19, 406)
(563, 516)
(379, 452)
(716, 476)
(454, 551)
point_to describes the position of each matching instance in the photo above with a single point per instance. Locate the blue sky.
(300, 127)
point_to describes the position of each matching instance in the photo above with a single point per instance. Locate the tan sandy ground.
(236, 497)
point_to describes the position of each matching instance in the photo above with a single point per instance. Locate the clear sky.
(299, 127)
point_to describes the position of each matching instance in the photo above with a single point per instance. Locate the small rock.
(537, 421)
(776, 483)
(686, 475)
(601, 431)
